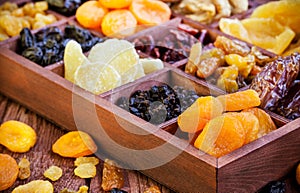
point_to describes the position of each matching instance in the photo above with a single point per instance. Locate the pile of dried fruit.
(32, 15)
(229, 64)
(47, 46)
(271, 26)
(119, 18)
(159, 103)
(207, 11)
(222, 133)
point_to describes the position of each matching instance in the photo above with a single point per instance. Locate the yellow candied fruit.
(53, 173)
(86, 170)
(17, 136)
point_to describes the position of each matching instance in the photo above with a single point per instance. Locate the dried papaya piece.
(74, 144)
(8, 171)
(240, 100)
(17, 136)
(266, 124)
(112, 176)
(221, 136)
(195, 117)
(250, 124)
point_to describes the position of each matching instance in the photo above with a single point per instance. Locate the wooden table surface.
(41, 157)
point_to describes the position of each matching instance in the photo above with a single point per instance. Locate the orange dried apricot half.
(118, 23)
(250, 124)
(266, 124)
(195, 117)
(221, 136)
(240, 100)
(17, 136)
(150, 11)
(115, 4)
(9, 170)
(90, 14)
(74, 144)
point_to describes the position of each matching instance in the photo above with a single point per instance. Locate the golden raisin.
(35, 186)
(8, 171)
(24, 169)
(86, 170)
(112, 176)
(17, 136)
(74, 144)
(53, 173)
(84, 160)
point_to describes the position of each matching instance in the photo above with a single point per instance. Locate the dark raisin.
(274, 187)
(116, 190)
(27, 39)
(34, 54)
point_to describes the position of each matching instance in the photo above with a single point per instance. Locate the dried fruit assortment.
(14, 18)
(221, 133)
(274, 83)
(158, 104)
(207, 11)
(229, 64)
(47, 46)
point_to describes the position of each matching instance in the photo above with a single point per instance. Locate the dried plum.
(274, 187)
(275, 80)
(159, 103)
(65, 7)
(47, 46)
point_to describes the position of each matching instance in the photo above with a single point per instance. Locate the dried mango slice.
(221, 136)
(35, 186)
(8, 171)
(195, 117)
(74, 144)
(17, 136)
(24, 169)
(240, 100)
(53, 173)
(86, 170)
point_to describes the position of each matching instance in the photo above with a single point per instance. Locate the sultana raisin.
(83, 160)
(86, 170)
(35, 186)
(53, 173)
(112, 176)
(8, 170)
(24, 169)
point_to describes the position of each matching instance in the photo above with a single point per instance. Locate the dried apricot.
(24, 169)
(115, 4)
(150, 11)
(35, 186)
(17, 136)
(90, 14)
(8, 171)
(221, 135)
(240, 100)
(266, 123)
(112, 176)
(53, 173)
(195, 117)
(86, 170)
(118, 23)
(250, 124)
(74, 144)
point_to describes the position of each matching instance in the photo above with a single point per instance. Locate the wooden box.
(161, 152)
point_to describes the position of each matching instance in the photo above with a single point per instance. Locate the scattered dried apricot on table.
(150, 12)
(74, 144)
(8, 171)
(195, 117)
(90, 14)
(266, 124)
(239, 100)
(221, 135)
(17, 136)
(115, 4)
(35, 186)
(53, 173)
(112, 176)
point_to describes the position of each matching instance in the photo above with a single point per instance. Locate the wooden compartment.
(161, 152)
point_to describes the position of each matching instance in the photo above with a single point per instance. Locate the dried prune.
(27, 39)
(274, 187)
(275, 80)
(34, 54)
(65, 7)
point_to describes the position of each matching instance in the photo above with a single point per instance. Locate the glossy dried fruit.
(239, 100)
(24, 169)
(150, 12)
(53, 173)
(232, 46)
(194, 59)
(152, 189)
(85, 170)
(74, 144)
(82, 189)
(250, 124)
(35, 186)
(8, 171)
(227, 80)
(221, 136)
(115, 4)
(195, 117)
(90, 14)
(17, 136)
(84, 160)
(274, 81)
(266, 124)
(112, 176)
